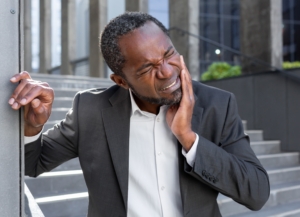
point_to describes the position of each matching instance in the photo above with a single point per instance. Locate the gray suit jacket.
(96, 130)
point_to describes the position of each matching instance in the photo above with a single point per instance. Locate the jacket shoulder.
(208, 94)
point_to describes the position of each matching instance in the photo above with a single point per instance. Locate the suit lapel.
(116, 121)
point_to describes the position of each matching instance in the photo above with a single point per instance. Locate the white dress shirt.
(153, 165)
(153, 187)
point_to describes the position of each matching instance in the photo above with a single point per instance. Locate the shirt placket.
(159, 155)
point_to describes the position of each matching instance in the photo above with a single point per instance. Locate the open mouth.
(171, 85)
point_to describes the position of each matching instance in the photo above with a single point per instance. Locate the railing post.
(27, 36)
(11, 131)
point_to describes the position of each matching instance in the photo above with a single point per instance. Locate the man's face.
(152, 66)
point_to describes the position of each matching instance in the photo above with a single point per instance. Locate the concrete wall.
(268, 101)
(11, 160)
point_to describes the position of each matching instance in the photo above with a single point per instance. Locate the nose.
(164, 71)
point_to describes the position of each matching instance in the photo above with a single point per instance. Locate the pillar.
(11, 131)
(45, 36)
(185, 15)
(137, 5)
(68, 36)
(98, 20)
(261, 34)
(27, 36)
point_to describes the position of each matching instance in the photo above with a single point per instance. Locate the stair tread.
(265, 142)
(57, 198)
(274, 188)
(58, 174)
(277, 211)
(277, 154)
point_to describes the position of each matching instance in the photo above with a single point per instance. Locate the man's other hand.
(36, 97)
(179, 117)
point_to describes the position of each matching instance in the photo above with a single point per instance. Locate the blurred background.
(217, 26)
(248, 47)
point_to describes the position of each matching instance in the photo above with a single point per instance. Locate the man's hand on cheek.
(179, 117)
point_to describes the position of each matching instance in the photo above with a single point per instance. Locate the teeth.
(170, 85)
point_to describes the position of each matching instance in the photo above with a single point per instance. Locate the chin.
(175, 98)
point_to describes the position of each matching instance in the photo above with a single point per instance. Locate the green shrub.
(220, 70)
(291, 65)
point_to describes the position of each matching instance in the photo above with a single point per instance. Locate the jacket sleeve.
(55, 146)
(231, 166)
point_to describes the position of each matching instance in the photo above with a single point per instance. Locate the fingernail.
(23, 101)
(15, 105)
(11, 101)
(13, 79)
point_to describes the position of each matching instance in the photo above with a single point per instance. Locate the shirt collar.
(135, 108)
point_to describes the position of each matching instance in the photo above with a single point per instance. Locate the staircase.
(63, 193)
(284, 173)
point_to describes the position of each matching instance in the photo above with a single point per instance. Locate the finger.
(38, 114)
(16, 92)
(183, 66)
(184, 82)
(188, 80)
(18, 77)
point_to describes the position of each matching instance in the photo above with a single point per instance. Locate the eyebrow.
(150, 64)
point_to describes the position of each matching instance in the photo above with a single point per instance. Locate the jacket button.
(203, 172)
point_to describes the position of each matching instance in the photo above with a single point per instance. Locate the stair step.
(65, 92)
(284, 210)
(280, 160)
(58, 182)
(290, 174)
(244, 124)
(64, 205)
(265, 147)
(62, 102)
(280, 194)
(58, 113)
(255, 135)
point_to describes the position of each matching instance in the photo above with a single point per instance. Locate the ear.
(119, 80)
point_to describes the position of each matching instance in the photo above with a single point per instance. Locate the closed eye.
(169, 54)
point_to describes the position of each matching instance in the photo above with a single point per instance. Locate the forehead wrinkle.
(146, 44)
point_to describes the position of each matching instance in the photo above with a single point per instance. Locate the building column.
(98, 20)
(261, 34)
(137, 5)
(11, 128)
(68, 36)
(184, 15)
(45, 36)
(27, 36)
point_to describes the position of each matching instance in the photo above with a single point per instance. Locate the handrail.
(200, 37)
(73, 63)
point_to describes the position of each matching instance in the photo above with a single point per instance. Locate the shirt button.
(162, 188)
(159, 153)
(157, 119)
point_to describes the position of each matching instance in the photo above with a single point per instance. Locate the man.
(157, 143)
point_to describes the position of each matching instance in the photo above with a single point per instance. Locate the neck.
(146, 106)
